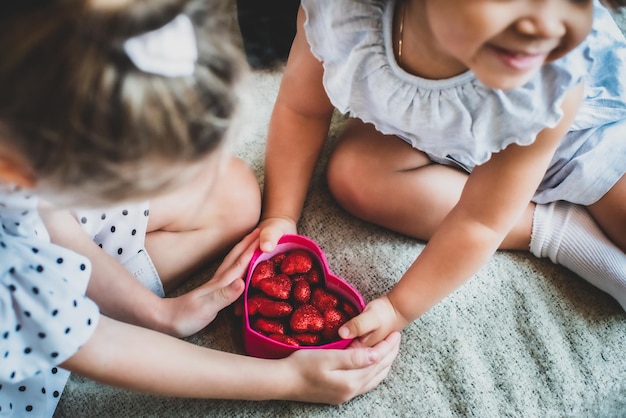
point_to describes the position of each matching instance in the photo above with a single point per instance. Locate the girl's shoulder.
(333, 26)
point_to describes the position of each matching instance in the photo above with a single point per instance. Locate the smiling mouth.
(518, 60)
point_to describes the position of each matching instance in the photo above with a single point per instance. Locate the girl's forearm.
(453, 255)
(142, 360)
(116, 292)
(293, 147)
(297, 130)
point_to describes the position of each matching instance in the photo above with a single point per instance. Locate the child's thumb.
(268, 240)
(353, 328)
(232, 291)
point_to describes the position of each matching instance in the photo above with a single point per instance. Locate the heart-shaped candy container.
(293, 301)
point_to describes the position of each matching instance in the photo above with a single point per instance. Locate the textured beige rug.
(524, 338)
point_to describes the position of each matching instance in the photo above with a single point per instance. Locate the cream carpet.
(523, 338)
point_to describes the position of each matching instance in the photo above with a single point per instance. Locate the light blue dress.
(459, 121)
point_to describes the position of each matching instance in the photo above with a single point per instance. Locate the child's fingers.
(269, 238)
(384, 352)
(389, 347)
(359, 326)
(229, 294)
(272, 229)
(227, 283)
(387, 351)
(247, 245)
(336, 376)
(373, 324)
(220, 295)
(369, 365)
(239, 257)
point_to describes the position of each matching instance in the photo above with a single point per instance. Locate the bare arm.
(297, 131)
(139, 359)
(121, 296)
(493, 199)
(114, 289)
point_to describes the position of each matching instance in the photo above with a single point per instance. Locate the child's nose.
(542, 22)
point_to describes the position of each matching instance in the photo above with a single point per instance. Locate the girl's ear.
(14, 171)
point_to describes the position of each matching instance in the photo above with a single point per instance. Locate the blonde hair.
(86, 119)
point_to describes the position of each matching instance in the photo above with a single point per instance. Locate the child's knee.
(349, 183)
(610, 213)
(340, 176)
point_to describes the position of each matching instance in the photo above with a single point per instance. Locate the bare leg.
(196, 224)
(610, 214)
(383, 180)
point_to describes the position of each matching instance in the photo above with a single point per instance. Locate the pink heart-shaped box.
(257, 344)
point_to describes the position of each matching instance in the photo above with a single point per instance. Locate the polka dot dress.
(44, 316)
(121, 231)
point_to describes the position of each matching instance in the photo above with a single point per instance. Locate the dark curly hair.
(614, 4)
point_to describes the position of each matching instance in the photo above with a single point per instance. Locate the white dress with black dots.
(121, 231)
(44, 316)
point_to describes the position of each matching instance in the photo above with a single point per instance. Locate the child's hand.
(274, 228)
(375, 323)
(193, 311)
(336, 376)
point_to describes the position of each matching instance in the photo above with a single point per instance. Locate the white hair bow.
(170, 51)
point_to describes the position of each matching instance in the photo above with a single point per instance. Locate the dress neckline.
(387, 29)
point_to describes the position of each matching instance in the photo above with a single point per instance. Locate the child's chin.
(504, 82)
